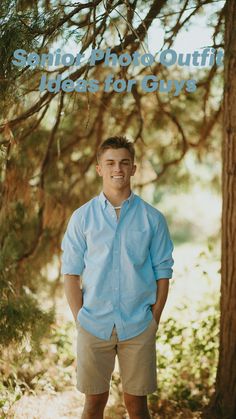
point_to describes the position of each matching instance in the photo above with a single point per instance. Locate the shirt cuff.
(163, 273)
(71, 270)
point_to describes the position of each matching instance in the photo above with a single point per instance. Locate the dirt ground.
(69, 404)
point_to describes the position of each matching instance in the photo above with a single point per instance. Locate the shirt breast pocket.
(137, 246)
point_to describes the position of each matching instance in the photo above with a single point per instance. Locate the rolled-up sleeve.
(161, 250)
(73, 246)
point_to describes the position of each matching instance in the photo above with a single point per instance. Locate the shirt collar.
(103, 199)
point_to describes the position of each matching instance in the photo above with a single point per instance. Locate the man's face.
(116, 168)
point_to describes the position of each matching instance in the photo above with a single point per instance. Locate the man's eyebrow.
(120, 160)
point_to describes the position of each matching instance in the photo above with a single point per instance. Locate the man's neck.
(117, 197)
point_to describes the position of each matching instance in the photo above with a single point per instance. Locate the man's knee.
(96, 402)
(136, 405)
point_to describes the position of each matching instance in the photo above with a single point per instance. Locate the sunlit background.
(190, 198)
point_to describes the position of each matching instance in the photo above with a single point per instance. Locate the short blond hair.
(115, 143)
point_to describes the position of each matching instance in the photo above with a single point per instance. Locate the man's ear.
(133, 170)
(98, 169)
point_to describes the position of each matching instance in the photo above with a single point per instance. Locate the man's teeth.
(118, 177)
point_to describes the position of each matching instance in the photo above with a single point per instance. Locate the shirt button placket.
(116, 271)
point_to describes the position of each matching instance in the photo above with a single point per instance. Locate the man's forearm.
(162, 293)
(73, 293)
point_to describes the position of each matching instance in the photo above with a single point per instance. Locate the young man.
(121, 247)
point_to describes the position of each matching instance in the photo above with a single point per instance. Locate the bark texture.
(223, 403)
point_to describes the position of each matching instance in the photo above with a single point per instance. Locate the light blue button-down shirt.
(119, 261)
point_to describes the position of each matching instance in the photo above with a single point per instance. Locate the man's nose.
(117, 166)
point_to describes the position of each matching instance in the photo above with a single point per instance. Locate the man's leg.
(95, 405)
(136, 406)
(95, 363)
(137, 361)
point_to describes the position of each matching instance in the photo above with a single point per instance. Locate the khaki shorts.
(136, 356)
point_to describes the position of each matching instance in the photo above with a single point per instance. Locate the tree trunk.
(223, 403)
